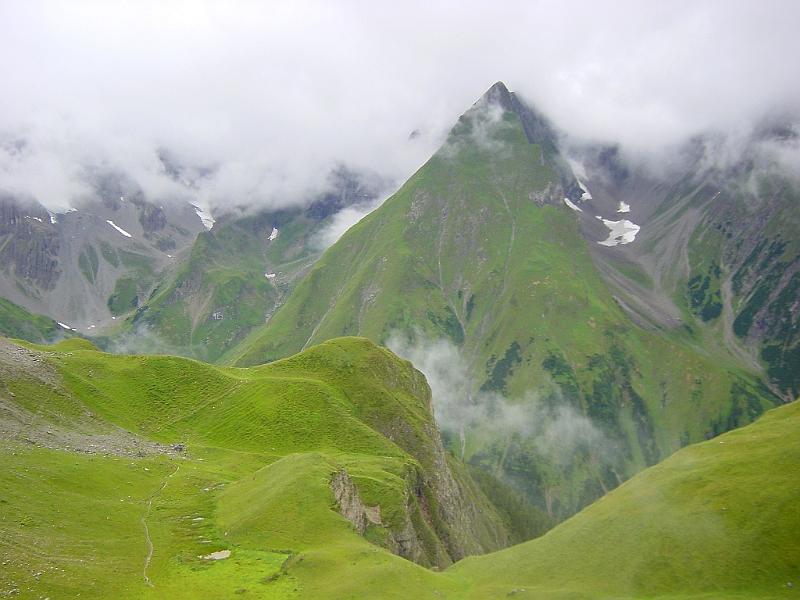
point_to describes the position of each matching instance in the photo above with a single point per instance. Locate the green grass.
(16, 322)
(716, 519)
(125, 297)
(262, 446)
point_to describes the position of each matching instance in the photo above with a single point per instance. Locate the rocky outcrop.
(446, 517)
(29, 244)
(68, 266)
(350, 505)
(152, 218)
(414, 537)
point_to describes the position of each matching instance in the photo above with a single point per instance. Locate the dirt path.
(147, 538)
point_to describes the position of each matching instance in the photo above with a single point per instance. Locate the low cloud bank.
(556, 428)
(258, 103)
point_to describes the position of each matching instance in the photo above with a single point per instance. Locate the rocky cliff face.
(29, 244)
(350, 505)
(90, 264)
(445, 517)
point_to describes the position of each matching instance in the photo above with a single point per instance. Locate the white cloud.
(273, 96)
(557, 429)
(341, 222)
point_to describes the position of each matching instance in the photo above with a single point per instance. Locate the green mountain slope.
(715, 520)
(215, 296)
(121, 472)
(17, 322)
(236, 275)
(718, 249)
(744, 269)
(315, 472)
(479, 248)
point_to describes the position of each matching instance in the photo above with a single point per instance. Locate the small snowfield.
(621, 232)
(218, 555)
(118, 228)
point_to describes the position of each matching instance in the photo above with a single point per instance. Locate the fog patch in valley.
(555, 428)
(142, 339)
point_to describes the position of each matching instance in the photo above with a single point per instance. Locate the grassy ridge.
(82, 476)
(717, 519)
(714, 520)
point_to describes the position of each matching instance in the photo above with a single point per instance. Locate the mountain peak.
(498, 94)
(537, 127)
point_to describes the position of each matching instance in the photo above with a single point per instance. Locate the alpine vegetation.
(339, 300)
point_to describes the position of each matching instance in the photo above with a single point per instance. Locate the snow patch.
(579, 171)
(570, 204)
(205, 217)
(118, 228)
(65, 326)
(218, 555)
(274, 234)
(53, 218)
(623, 207)
(270, 276)
(586, 195)
(622, 232)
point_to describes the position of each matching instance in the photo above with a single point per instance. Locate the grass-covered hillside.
(478, 248)
(17, 322)
(716, 520)
(120, 473)
(160, 477)
(236, 275)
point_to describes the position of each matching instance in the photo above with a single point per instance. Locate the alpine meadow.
(277, 322)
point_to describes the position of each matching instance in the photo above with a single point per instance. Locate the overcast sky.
(270, 96)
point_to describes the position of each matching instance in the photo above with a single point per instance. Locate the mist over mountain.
(256, 105)
(422, 300)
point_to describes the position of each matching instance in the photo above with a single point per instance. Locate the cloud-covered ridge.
(258, 103)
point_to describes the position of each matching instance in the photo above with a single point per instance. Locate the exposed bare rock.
(350, 505)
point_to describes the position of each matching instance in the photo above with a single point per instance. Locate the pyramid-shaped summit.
(498, 94)
(537, 127)
(478, 249)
